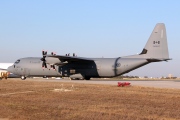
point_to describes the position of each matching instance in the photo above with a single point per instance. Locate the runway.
(171, 84)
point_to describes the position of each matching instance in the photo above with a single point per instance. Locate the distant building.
(170, 76)
(145, 76)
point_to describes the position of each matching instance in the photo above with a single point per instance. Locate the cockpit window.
(17, 61)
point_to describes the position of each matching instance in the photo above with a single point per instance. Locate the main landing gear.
(87, 78)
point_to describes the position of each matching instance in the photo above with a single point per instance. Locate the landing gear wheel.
(23, 77)
(87, 78)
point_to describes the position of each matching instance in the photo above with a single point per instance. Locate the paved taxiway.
(172, 84)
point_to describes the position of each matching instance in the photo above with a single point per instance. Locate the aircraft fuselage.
(100, 67)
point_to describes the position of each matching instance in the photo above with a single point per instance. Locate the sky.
(89, 28)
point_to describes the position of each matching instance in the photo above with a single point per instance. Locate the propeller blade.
(42, 59)
(43, 52)
(45, 65)
(53, 67)
(53, 53)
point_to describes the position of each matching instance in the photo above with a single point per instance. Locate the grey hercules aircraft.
(155, 50)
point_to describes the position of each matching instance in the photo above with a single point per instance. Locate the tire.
(23, 77)
(73, 78)
(87, 78)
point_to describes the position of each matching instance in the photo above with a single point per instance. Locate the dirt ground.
(32, 100)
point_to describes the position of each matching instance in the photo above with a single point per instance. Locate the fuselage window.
(17, 61)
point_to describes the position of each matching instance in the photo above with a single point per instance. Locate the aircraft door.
(64, 71)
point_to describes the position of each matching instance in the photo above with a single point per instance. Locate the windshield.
(17, 61)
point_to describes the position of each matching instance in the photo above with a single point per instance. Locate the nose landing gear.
(23, 77)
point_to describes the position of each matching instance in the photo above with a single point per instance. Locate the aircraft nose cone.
(10, 69)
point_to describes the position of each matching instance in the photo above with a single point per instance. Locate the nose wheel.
(23, 77)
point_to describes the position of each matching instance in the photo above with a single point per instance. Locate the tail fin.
(156, 46)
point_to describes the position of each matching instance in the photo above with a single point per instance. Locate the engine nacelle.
(53, 61)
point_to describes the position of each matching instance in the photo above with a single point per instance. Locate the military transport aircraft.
(155, 50)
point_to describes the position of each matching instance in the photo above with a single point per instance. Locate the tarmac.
(171, 84)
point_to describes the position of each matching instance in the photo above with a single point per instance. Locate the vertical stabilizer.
(156, 46)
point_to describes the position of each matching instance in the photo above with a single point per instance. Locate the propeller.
(53, 53)
(53, 67)
(44, 53)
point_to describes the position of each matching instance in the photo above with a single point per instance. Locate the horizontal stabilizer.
(157, 60)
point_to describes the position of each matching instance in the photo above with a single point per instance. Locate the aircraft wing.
(70, 58)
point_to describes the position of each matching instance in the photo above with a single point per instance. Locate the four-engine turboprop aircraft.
(155, 50)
